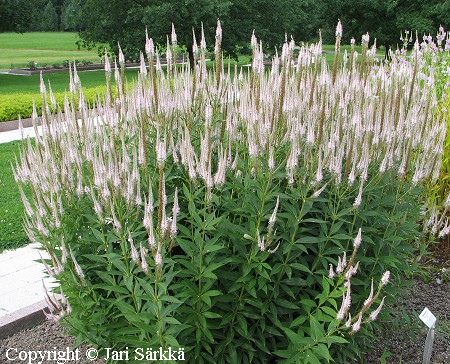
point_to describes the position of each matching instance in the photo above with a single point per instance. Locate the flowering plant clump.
(243, 217)
(431, 56)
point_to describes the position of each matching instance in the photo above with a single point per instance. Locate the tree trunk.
(191, 55)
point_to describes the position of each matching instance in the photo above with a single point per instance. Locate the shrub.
(239, 217)
(13, 106)
(32, 65)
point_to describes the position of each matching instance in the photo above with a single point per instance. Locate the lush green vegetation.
(12, 234)
(52, 48)
(59, 81)
(216, 213)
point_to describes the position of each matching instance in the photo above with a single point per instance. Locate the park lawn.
(12, 234)
(59, 81)
(45, 48)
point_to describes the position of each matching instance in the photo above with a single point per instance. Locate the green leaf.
(117, 261)
(299, 321)
(171, 299)
(329, 311)
(293, 337)
(212, 293)
(317, 331)
(306, 302)
(211, 315)
(310, 357)
(322, 351)
(341, 237)
(286, 304)
(111, 288)
(335, 340)
(300, 267)
(105, 277)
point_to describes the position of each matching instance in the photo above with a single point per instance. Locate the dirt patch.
(48, 336)
(403, 341)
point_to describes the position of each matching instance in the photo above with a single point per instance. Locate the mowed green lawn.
(59, 81)
(45, 48)
(12, 234)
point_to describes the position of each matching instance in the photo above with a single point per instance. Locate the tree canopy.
(121, 21)
(15, 15)
(383, 19)
(125, 21)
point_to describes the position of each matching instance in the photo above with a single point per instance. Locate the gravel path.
(405, 341)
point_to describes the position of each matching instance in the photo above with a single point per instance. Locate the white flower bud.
(357, 241)
(357, 325)
(385, 278)
(339, 29)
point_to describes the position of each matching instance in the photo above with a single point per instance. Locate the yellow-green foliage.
(439, 191)
(443, 184)
(21, 104)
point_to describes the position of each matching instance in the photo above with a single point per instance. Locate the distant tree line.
(39, 15)
(125, 21)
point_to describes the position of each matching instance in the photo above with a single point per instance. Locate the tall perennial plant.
(245, 217)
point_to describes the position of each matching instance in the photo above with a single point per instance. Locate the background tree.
(382, 19)
(119, 21)
(271, 20)
(15, 15)
(69, 16)
(49, 18)
(125, 21)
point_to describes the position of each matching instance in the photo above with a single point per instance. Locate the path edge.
(22, 319)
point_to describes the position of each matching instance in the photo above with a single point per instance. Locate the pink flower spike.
(203, 41)
(144, 253)
(134, 252)
(357, 241)
(149, 45)
(369, 299)
(357, 325)
(107, 63)
(219, 31)
(331, 273)
(373, 316)
(158, 258)
(385, 278)
(349, 321)
(339, 29)
(121, 56)
(77, 267)
(339, 268)
(173, 36)
(175, 212)
(42, 84)
(273, 217)
(341, 313)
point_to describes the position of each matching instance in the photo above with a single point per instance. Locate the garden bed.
(29, 72)
(404, 340)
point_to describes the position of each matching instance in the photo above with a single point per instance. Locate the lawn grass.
(14, 84)
(12, 234)
(45, 48)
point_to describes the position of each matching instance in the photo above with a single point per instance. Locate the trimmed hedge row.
(21, 104)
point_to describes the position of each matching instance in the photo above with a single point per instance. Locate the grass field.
(11, 208)
(43, 48)
(13, 84)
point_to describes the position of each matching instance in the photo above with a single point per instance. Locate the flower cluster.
(344, 271)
